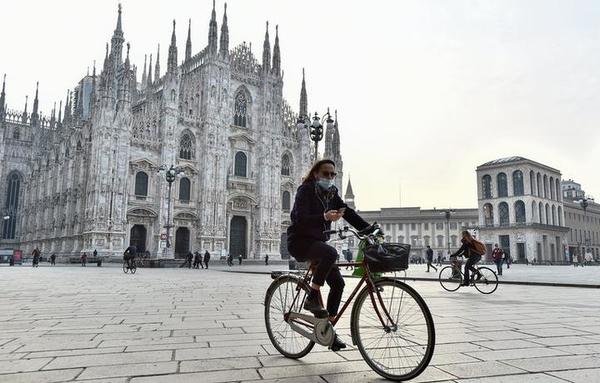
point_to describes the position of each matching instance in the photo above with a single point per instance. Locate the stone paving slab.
(175, 325)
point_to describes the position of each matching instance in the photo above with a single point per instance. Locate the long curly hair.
(310, 176)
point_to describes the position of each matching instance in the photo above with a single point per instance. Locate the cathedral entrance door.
(237, 236)
(137, 237)
(182, 242)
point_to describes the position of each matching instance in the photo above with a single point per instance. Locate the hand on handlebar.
(333, 215)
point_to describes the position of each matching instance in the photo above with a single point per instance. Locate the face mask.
(325, 184)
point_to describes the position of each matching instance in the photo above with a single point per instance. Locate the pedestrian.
(439, 259)
(206, 258)
(240, 259)
(507, 259)
(348, 257)
(36, 260)
(266, 259)
(53, 259)
(429, 254)
(197, 260)
(95, 253)
(498, 257)
(83, 259)
(230, 259)
(189, 259)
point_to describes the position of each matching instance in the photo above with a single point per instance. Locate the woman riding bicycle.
(472, 258)
(316, 205)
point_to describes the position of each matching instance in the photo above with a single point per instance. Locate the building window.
(488, 214)
(453, 226)
(541, 212)
(285, 201)
(400, 226)
(141, 184)
(413, 226)
(520, 212)
(551, 187)
(502, 185)
(453, 240)
(285, 165)
(545, 186)
(547, 214)
(414, 241)
(558, 190)
(532, 182)
(241, 104)
(518, 188)
(427, 240)
(439, 226)
(553, 215)
(533, 210)
(440, 241)
(559, 216)
(503, 214)
(486, 184)
(184, 189)
(16, 134)
(12, 206)
(539, 185)
(186, 146)
(400, 239)
(426, 226)
(241, 162)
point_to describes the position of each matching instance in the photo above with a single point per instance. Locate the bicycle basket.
(386, 257)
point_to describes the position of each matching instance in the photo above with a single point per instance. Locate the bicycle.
(127, 267)
(485, 279)
(396, 327)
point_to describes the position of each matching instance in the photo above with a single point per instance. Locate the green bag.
(360, 271)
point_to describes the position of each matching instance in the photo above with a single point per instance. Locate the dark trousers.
(430, 265)
(324, 256)
(499, 266)
(206, 263)
(471, 261)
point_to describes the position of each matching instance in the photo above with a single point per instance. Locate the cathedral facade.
(88, 179)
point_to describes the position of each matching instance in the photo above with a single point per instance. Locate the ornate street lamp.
(170, 173)
(447, 214)
(316, 129)
(584, 203)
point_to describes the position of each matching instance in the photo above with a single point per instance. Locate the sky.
(425, 90)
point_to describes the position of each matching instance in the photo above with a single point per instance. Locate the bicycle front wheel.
(450, 278)
(488, 283)
(133, 267)
(398, 350)
(125, 268)
(278, 303)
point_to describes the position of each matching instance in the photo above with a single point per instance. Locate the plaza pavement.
(99, 325)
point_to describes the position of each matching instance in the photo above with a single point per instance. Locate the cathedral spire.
(144, 75)
(212, 32)
(59, 122)
(34, 114)
(224, 43)
(53, 116)
(3, 99)
(349, 196)
(157, 67)
(149, 79)
(188, 43)
(266, 60)
(24, 116)
(276, 54)
(116, 51)
(303, 98)
(172, 62)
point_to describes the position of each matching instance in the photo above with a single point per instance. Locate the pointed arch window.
(532, 182)
(551, 187)
(539, 185)
(547, 211)
(184, 189)
(240, 165)
(486, 184)
(187, 143)
(240, 109)
(520, 212)
(16, 134)
(502, 185)
(488, 214)
(558, 191)
(541, 212)
(11, 206)
(559, 216)
(553, 215)
(285, 201)
(503, 214)
(518, 188)
(285, 165)
(141, 184)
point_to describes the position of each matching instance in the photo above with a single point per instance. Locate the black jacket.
(308, 222)
(465, 250)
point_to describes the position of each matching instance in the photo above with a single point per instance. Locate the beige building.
(521, 209)
(582, 217)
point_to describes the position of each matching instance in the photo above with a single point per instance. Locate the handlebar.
(369, 233)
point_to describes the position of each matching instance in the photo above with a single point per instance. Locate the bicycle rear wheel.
(278, 302)
(450, 278)
(488, 282)
(397, 352)
(125, 268)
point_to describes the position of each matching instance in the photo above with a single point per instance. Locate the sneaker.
(337, 344)
(313, 305)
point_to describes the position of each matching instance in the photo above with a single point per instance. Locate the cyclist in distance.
(472, 259)
(316, 205)
(129, 255)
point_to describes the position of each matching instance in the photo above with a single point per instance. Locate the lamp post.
(584, 203)
(170, 173)
(447, 214)
(316, 129)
